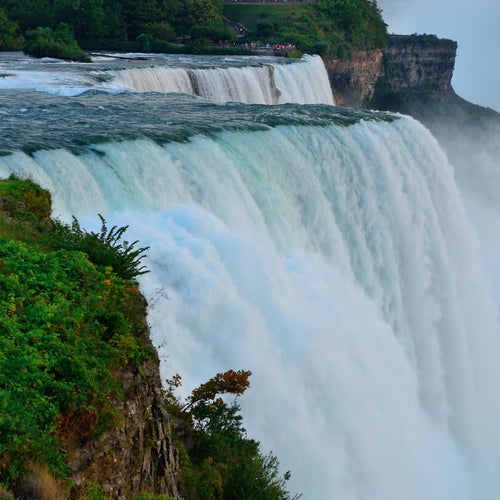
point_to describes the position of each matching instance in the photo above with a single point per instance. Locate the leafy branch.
(218, 460)
(103, 248)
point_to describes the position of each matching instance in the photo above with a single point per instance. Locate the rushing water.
(266, 80)
(325, 250)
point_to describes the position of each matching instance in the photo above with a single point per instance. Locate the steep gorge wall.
(137, 453)
(413, 61)
(416, 65)
(353, 80)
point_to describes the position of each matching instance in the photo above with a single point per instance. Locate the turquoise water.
(324, 249)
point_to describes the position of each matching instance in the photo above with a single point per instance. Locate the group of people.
(277, 47)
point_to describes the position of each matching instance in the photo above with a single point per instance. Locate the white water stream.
(337, 264)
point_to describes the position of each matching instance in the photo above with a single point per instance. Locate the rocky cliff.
(408, 66)
(419, 61)
(70, 442)
(353, 80)
(137, 453)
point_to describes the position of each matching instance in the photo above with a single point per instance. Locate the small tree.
(220, 461)
(265, 30)
(10, 38)
(44, 42)
(213, 31)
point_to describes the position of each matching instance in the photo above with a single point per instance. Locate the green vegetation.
(65, 323)
(68, 319)
(104, 248)
(250, 15)
(110, 24)
(350, 24)
(43, 42)
(218, 460)
(421, 41)
(72, 318)
(324, 26)
(10, 38)
(321, 26)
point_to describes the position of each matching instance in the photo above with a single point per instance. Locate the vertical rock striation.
(136, 454)
(353, 80)
(416, 61)
(409, 67)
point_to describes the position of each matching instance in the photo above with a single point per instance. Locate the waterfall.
(304, 82)
(155, 79)
(334, 262)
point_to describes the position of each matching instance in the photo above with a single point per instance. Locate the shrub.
(103, 248)
(265, 29)
(10, 38)
(160, 31)
(44, 42)
(213, 31)
(64, 322)
(23, 199)
(221, 462)
(144, 42)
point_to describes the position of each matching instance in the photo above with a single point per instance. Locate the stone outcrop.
(353, 80)
(409, 64)
(136, 454)
(413, 61)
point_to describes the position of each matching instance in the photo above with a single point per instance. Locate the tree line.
(107, 23)
(325, 26)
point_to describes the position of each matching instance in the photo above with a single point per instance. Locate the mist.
(474, 152)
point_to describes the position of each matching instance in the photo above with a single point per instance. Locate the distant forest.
(321, 26)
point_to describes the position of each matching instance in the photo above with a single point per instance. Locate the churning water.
(325, 250)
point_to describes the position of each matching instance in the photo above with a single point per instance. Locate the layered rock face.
(353, 80)
(381, 78)
(136, 454)
(413, 61)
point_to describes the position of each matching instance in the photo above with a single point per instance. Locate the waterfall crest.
(302, 82)
(337, 264)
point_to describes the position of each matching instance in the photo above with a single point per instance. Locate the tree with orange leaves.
(219, 461)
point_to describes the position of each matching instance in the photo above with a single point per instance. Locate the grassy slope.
(251, 15)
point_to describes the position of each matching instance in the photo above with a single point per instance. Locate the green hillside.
(250, 15)
(322, 26)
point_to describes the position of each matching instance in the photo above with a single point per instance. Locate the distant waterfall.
(303, 82)
(155, 79)
(337, 264)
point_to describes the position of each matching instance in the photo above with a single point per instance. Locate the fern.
(104, 248)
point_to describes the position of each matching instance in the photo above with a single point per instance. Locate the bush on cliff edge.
(67, 324)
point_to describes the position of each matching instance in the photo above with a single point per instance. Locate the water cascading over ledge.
(251, 80)
(302, 82)
(325, 250)
(335, 262)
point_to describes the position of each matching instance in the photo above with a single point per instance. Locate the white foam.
(338, 265)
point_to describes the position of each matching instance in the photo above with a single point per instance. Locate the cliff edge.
(409, 67)
(136, 454)
(83, 408)
(411, 75)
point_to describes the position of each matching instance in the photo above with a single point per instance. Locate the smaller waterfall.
(252, 85)
(156, 79)
(303, 82)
